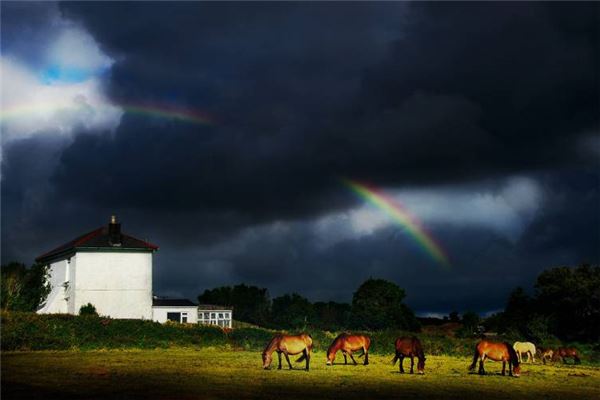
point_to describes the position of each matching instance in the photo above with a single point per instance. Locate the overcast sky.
(481, 119)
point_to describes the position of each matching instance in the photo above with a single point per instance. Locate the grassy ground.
(213, 373)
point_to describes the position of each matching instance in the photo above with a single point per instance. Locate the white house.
(112, 271)
(176, 310)
(104, 267)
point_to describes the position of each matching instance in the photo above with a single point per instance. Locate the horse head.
(517, 370)
(330, 357)
(267, 359)
(421, 366)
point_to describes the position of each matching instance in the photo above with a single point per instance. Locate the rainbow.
(157, 111)
(402, 217)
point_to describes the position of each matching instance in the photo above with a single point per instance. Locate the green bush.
(30, 331)
(88, 309)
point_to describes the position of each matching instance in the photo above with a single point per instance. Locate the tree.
(22, 288)
(470, 324)
(570, 298)
(331, 316)
(518, 308)
(453, 316)
(250, 303)
(291, 311)
(377, 304)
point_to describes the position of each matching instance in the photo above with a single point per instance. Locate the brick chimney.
(114, 232)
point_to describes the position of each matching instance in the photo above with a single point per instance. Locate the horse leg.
(412, 364)
(504, 367)
(307, 355)
(510, 368)
(366, 356)
(279, 355)
(401, 361)
(345, 359)
(288, 359)
(481, 369)
(352, 357)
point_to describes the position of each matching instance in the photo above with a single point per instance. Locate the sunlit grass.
(215, 373)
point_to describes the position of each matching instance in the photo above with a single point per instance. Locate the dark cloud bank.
(402, 95)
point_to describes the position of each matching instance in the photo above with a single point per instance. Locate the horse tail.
(475, 357)
(396, 358)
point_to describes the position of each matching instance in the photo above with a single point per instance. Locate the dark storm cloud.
(394, 93)
(308, 94)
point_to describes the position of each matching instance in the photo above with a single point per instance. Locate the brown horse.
(410, 347)
(566, 352)
(546, 354)
(348, 344)
(496, 351)
(288, 345)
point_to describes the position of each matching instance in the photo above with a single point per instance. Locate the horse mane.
(276, 337)
(513, 354)
(338, 337)
(418, 347)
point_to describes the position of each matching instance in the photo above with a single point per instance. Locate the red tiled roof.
(98, 238)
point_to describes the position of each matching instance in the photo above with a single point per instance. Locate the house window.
(213, 315)
(206, 315)
(221, 315)
(174, 316)
(227, 315)
(184, 317)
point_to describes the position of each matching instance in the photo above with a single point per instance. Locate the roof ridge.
(85, 237)
(75, 242)
(140, 240)
(98, 238)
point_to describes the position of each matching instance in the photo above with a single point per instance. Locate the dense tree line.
(565, 305)
(377, 304)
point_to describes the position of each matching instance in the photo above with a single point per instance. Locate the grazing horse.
(546, 354)
(496, 351)
(525, 348)
(566, 352)
(410, 347)
(288, 345)
(348, 344)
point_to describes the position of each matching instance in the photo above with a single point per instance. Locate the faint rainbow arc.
(401, 216)
(181, 114)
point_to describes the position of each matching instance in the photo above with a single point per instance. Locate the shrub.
(88, 309)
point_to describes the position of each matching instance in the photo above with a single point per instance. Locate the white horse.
(525, 348)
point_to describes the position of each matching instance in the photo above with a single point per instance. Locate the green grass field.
(212, 373)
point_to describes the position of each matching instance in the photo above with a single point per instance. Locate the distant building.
(215, 315)
(175, 310)
(113, 271)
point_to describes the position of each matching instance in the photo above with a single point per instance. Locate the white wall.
(118, 284)
(55, 302)
(159, 314)
(70, 290)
